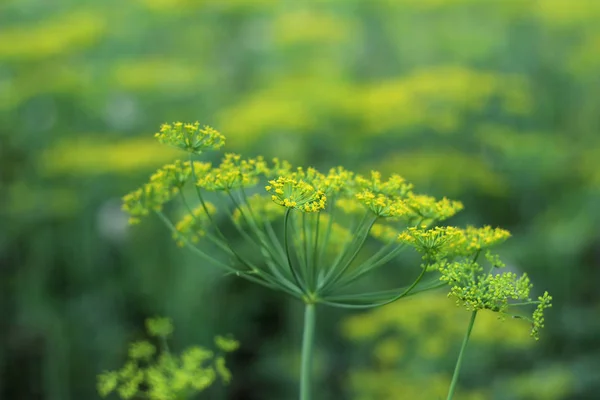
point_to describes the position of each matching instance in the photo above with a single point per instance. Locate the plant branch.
(461, 355)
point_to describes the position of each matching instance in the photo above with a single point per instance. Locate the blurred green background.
(494, 103)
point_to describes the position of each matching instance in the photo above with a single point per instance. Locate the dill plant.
(309, 231)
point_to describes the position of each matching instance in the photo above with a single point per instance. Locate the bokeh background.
(494, 103)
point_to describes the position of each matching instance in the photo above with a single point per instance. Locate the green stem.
(339, 268)
(307, 351)
(460, 356)
(369, 265)
(287, 249)
(527, 303)
(388, 301)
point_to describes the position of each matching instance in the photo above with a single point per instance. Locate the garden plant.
(311, 235)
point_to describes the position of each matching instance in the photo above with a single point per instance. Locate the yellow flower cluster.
(233, 172)
(469, 284)
(336, 180)
(427, 208)
(395, 186)
(476, 290)
(315, 256)
(383, 198)
(297, 194)
(474, 239)
(306, 189)
(141, 201)
(163, 185)
(382, 205)
(278, 168)
(437, 239)
(172, 176)
(192, 226)
(453, 241)
(190, 137)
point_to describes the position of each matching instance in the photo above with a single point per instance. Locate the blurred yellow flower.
(53, 37)
(91, 155)
(156, 73)
(311, 25)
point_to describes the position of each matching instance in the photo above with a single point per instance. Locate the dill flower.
(308, 227)
(382, 205)
(190, 137)
(278, 168)
(193, 225)
(436, 240)
(296, 194)
(164, 184)
(456, 251)
(142, 201)
(172, 176)
(336, 180)
(234, 172)
(427, 208)
(476, 290)
(395, 186)
(308, 231)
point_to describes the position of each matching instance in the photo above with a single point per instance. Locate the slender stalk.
(325, 241)
(196, 250)
(218, 242)
(388, 301)
(252, 224)
(246, 275)
(287, 249)
(339, 267)
(315, 252)
(460, 356)
(274, 239)
(307, 256)
(370, 264)
(308, 339)
(348, 246)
